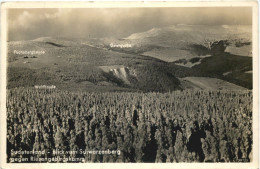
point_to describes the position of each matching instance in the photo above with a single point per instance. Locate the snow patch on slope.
(120, 71)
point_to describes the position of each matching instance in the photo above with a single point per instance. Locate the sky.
(28, 23)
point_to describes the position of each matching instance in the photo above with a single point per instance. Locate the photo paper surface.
(129, 84)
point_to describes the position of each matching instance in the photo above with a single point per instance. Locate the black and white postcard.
(129, 84)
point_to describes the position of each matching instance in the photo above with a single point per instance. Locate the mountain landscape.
(130, 85)
(177, 57)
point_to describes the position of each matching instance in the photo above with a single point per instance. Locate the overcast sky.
(26, 24)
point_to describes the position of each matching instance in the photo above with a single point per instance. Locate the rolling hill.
(179, 41)
(80, 67)
(158, 60)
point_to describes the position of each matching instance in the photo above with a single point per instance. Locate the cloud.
(26, 24)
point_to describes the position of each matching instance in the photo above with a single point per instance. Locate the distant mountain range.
(177, 57)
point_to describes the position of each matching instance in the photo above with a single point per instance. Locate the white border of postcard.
(4, 6)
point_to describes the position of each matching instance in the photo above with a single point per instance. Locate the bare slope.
(205, 83)
(176, 40)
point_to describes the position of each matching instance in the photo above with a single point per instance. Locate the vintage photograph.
(129, 85)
